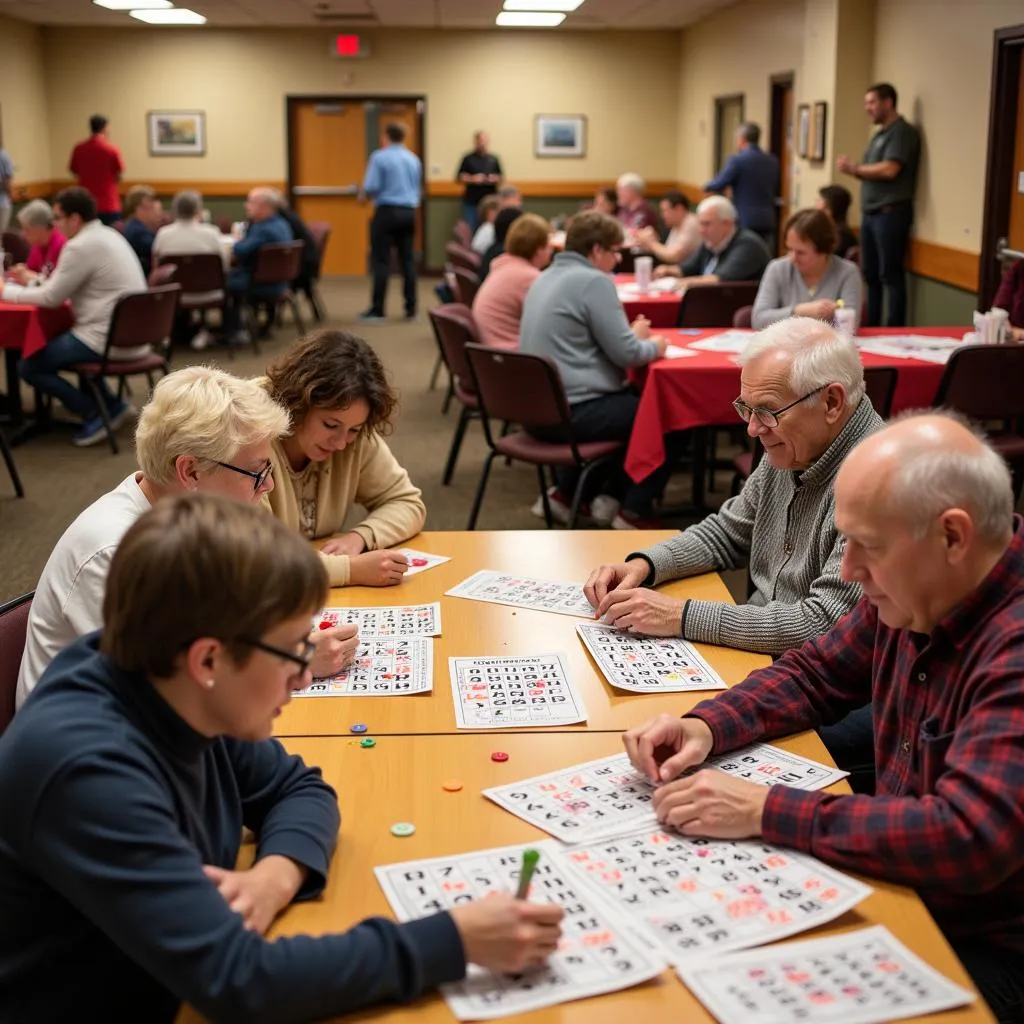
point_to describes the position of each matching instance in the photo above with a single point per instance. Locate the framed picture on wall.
(803, 130)
(176, 132)
(562, 135)
(819, 123)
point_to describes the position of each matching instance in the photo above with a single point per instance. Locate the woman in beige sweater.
(334, 386)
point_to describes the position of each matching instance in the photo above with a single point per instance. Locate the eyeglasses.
(768, 417)
(303, 660)
(259, 476)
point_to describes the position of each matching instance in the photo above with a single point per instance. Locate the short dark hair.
(815, 226)
(676, 198)
(592, 228)
(75, 199)
(610, 196)
(97, 123)
(395, 132)
(838, 200)
(505, 219)
(750, 132)
(331, 370)
(884, 91)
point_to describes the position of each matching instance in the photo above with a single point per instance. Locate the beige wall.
(815, 84)
(23, 106)
(938, 55)
(734, 51)
(471, 80)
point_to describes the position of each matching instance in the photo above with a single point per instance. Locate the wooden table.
(400, 780)
(476, 628)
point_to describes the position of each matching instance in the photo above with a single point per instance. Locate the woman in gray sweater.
(810, 280)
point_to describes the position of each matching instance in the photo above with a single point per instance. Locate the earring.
(210, 683)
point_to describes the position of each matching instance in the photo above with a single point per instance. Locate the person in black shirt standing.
(481, 173)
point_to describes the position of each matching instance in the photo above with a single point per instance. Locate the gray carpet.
(60, 480)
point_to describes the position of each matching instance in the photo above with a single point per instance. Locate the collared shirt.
(394, 177)
(478, 163)
(948, 708)
(98, 166)
(901, 142)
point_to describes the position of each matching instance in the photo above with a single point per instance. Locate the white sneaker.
(560, 510)
(603, 509)
(203, 339)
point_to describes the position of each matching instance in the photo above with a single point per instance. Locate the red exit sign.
(350, 46)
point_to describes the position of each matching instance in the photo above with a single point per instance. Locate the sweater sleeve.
(73, 270)
(608, 326)
(395, 509)
(105, 837)
(744, 261)
(774, 300)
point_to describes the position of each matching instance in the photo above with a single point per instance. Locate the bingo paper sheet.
(609, 796)
(421, 561)
(647, 664)
(399, 620)
(860, 977)
(566, 598)
(706, 896)
(598, 953)
(384, 666)
(512, 692)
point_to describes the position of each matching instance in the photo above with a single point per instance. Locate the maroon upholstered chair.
(224, 225)
(454, 328)
(141, 318)
(528, 390)
(201, 276)
(276, 263)
(741, 318)
(715, 305)
(13, 630)
(467, 284)
(462, 233)
(12, 469)
(462, 256)
(321, 232)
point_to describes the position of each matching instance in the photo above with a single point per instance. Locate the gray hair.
(820, 355)
(36, 214)
(750, 132)
(720, 206)
(186, 205)
(929, 480)
(508, 191)
(633, 181)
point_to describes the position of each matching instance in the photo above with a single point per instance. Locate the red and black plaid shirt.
(948, 815)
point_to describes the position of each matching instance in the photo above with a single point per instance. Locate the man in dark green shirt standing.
(889, 177)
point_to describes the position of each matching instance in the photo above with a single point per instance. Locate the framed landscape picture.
(176, 132)
(560, 135)
(819, 123)
(803, 130)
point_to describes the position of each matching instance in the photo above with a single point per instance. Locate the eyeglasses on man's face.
(302, 658)
(259, 476)
(768, 417)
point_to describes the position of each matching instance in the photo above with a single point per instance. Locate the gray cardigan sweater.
(782, 525)
(782, 288)
(573, 316)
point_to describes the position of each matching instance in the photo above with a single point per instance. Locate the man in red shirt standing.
(98, 166)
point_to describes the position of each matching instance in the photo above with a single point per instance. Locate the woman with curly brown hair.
(334, 386)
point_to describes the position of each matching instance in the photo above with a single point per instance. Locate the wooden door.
(406, 113)
(1015, 233)
(782, 142)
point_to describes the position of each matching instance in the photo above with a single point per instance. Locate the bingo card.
(704, 896)
(421, 561)
(514, 691)
(399, 620)
(861, 977)
(393, 666)
(598, 952)
(609, 796)
(566, 598)
(647, 664)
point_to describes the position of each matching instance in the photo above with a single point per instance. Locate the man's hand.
(345, 544)
(335, 648)
(666, 746)
(712, 804)
(661, 343)
(667, 270)
(377, 569)
(506, 934)
(20, 274)
(646, 238)
(846, 166)
(641, 327)
(608, 577)
(642, 611)
(261, 893)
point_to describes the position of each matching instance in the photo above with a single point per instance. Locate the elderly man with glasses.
(802, 396)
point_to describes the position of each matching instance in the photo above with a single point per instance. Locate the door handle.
(325, 190)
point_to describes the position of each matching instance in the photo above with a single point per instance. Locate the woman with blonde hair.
(341, 403)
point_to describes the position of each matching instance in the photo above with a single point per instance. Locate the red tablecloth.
(30, 327)
(698, 391)
(661, 308)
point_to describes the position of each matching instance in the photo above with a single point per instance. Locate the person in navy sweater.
(131, 770)
(753, 176)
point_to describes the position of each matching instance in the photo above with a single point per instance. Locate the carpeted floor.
(60, 480)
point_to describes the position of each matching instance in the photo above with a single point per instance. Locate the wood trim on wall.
(218, 189)
(438, 189)
(941, 263)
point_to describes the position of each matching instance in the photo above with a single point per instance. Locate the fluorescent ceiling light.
(132, 5)
(529, 19)
(175, 16)
(542, 5)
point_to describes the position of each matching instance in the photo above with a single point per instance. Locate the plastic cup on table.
(846, 321)
(643, 268)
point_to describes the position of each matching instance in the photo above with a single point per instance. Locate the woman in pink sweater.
(498, 306)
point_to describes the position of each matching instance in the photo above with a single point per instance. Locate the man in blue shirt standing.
(394, 181)
(753, 176)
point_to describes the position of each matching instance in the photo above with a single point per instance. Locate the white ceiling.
(356, 14)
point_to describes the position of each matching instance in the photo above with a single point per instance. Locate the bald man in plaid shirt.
(937, 644)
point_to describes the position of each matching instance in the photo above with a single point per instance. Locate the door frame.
(720, 101)
(1008, 52)
(420, 102)
(778, 84)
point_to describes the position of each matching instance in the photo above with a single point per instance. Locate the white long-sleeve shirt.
(97, 267)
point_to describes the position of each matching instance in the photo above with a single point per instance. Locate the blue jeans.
(108, 218)
(469, 214)
(41, 372)
(883, 247)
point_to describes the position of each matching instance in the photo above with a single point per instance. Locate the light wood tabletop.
(477, 628)
(400, 780)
